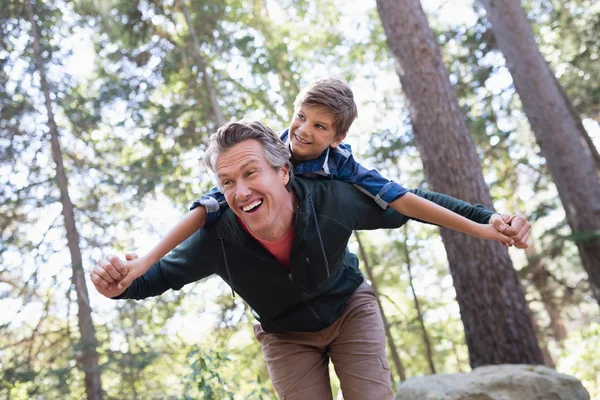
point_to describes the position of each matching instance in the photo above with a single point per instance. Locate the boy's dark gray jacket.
(322, 275)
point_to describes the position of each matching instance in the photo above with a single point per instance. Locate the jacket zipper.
(290, 276)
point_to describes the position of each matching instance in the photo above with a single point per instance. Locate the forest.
(105, 112)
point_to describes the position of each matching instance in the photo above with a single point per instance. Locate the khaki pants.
(355, 343)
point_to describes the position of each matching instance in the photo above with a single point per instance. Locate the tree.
(89, 358)
(497, 321)
(424, 333)
(391, 343)
(557, 128)
(201, 64)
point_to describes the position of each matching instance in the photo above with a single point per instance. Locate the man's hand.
(107, 274)
(515, 226)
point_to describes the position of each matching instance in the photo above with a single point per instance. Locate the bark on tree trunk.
(395, 356)
(588, 144)
(208, 82)
(496, 318)
(418, 306)
(287, 84)
(556, 128)
(89, 356)
(539, 278)
(548, 359)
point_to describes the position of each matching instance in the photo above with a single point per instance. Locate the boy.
(324, 112)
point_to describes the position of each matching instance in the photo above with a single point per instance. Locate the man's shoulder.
(323, 186)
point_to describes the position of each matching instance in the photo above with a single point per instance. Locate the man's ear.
(338, 139)
(285, 176)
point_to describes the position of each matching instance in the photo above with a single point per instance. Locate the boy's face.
(311, 132)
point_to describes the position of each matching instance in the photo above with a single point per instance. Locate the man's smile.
(252, 206)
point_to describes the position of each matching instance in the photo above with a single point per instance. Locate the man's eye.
(226, 183)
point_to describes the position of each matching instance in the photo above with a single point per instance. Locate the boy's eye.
(319, 126)
(226, 183)
(300, 116)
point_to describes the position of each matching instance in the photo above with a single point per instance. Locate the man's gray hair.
(277, 153)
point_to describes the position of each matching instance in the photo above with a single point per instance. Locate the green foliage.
(211, 377)
(134, 126)
(206, 377)
(581, 356)
(568, 37)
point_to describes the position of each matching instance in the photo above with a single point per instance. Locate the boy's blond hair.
(333, 95)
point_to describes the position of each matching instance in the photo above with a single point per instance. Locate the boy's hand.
(490, 232)
(136, 267)
(112, 276)
(515, 226)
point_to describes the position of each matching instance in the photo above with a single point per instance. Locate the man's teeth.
(301, 140)
(252, 206)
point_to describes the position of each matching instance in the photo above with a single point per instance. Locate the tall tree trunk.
(459, 362)
(201, 64)
(288, 86)
(89, 343)
(587, 141)
(497, 320)
(539, 278)
(418, 306)
(395, 356)
(556, 127)
(548, 359)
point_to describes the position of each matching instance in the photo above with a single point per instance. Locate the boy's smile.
(311, 133)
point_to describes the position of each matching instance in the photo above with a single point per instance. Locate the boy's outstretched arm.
(414, 206)
(190, 223)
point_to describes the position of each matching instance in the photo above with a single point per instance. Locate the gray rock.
(495, 382)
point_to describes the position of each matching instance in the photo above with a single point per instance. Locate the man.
(281, 246)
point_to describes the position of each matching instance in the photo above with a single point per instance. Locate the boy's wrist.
(147, 261)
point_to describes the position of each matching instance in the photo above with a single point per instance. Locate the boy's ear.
(338, 139)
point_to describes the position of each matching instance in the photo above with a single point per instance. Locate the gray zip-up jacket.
(322, 274)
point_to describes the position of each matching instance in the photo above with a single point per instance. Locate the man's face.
(255, 191)
(311, 132)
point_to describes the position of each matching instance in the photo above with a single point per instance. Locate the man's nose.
(242, 191)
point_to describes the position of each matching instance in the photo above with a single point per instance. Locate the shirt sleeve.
(382, 190)
(192, 260)
(214, 202)
(365, 215)
(476, 213)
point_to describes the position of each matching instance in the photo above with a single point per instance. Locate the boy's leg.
(297, 363)
(358, 350)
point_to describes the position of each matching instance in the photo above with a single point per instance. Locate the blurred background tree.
(129, 85)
